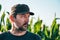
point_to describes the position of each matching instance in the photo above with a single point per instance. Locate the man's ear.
(12, 18)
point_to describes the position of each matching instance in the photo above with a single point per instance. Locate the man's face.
(21, 21)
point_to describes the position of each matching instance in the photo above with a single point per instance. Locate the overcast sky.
(45, 9)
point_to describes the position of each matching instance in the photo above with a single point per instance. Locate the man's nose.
(26, 19)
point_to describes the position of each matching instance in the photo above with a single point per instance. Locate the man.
(19, 18)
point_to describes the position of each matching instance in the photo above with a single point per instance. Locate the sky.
(44, 9)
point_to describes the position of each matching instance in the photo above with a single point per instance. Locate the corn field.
(46, 33)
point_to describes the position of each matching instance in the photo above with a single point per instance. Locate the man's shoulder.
(3, 34)
(33, 34)
(36, 36)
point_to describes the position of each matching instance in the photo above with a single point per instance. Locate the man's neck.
(16, 32)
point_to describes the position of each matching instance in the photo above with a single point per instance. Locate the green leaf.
(0, 7)
(30, 25)
(8, 24)
(3, 29)
(0, 26)
(54, 30)
(37, 26)
(2, 17)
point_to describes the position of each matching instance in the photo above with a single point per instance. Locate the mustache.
(25, 23)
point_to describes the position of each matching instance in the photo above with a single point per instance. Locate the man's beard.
(23, 27)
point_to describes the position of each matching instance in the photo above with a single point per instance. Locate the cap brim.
(31, 13)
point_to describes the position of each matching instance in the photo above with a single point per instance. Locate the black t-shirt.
(27, 36)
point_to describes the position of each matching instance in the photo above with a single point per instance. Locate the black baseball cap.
(21, 9)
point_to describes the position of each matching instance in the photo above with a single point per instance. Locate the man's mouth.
(25, 24)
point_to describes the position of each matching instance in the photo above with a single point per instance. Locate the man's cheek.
(22, 20)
